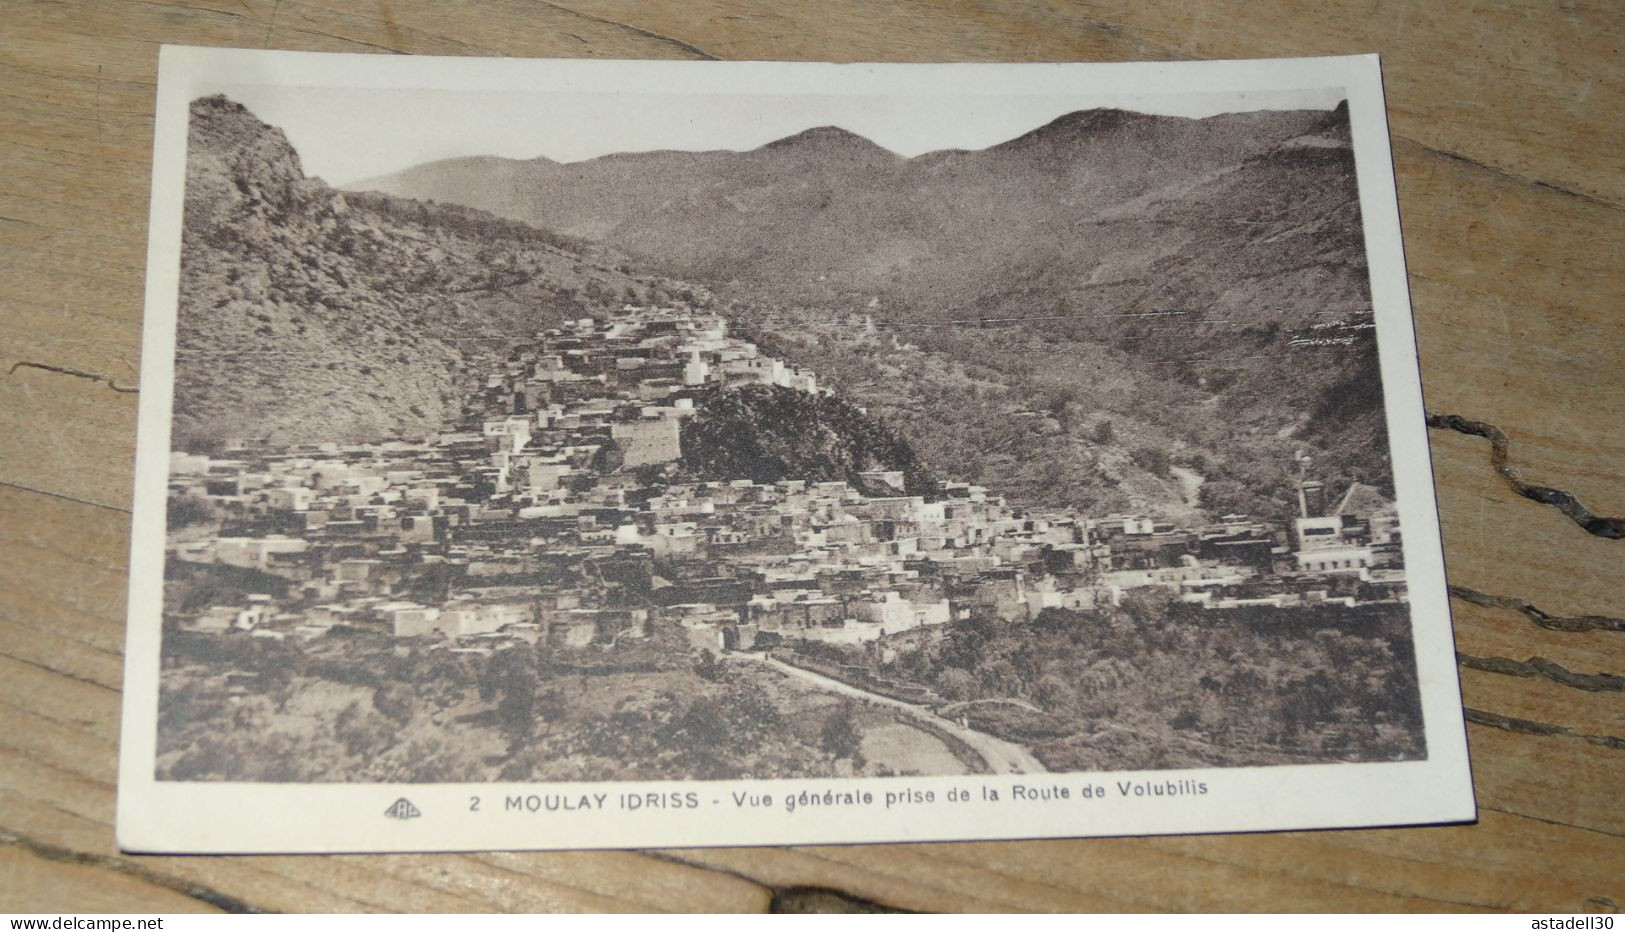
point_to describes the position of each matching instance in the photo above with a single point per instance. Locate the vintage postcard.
(545, 454)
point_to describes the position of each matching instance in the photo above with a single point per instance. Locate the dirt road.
(1001, 756)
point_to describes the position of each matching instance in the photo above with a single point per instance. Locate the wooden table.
(1507, 123)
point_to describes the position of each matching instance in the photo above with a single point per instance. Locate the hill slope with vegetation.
(1114, 311)
(769, 433)
(307, 314)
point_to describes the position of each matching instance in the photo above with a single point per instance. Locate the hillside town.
(555, 509)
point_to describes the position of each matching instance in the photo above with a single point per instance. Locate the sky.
(344, 135)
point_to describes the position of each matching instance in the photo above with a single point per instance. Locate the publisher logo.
(402, 809)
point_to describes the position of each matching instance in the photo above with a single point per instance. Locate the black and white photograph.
(698, 438)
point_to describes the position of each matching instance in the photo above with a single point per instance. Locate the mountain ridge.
(1179, 256)
(1131, 266)
(944, 229)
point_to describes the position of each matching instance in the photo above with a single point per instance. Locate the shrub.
(187, 510)
(1152, 460)
(840, 736)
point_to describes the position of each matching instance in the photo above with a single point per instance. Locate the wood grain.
(1506, 118)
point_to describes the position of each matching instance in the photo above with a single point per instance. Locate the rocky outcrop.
(307, 314)
(769, 433)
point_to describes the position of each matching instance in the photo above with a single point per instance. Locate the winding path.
(1001, 756)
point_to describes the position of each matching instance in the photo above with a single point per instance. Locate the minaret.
(1311, 492)
(1311, 498)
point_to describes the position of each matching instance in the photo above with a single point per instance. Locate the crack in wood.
(1540, 666)
(350, 39)
(67, 498)
(1570, 623)
(1507, 173)
(83, 727)
(933, 886)
(76, 373)
(638, 30)
(808, 899)
(790, 898)
(1346, 882)
(49, 852)
(1524, 726)
(1483, 807)
(62, 673)
(1612, 528)
(596, 896)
